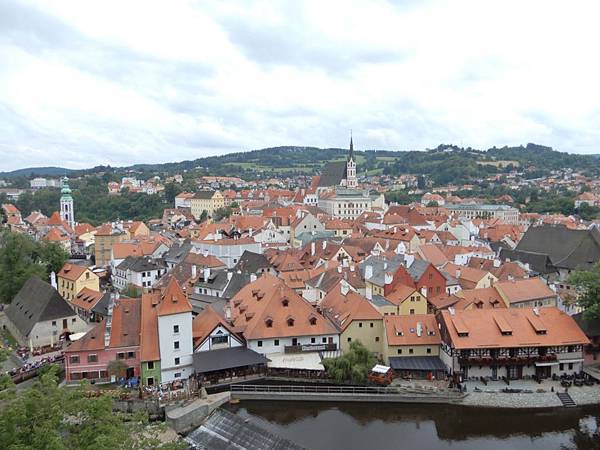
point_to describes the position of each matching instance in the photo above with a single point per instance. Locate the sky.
(84, 83)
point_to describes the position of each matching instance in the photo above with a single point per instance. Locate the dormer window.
(313, 320)
(285, 302)
(269, 323)
(290, 322)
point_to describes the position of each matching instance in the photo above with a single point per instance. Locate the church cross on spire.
(351, 153)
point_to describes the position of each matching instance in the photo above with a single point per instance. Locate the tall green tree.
(21, 258)
(587, 283)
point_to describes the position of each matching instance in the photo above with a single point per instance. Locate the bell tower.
(351, 181)
(66, 203)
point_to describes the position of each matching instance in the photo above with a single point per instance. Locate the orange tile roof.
(480, 298)
(205, 322)
(262, 302)
(54, 235)
(400, 293)
(71, 272)
(433, 254)
(87, 299)
(343, 309)
(402, 330)
(173, 300)
(525, 289)
(149, 347)
(483, 330)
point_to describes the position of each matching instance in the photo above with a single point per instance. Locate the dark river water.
(368, 426)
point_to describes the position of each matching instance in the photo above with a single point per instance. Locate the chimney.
(344, 288)
(368, 272)
(496, 263)
(457, 274)
(324, 245)
(389, 277)
(229, 276)
(228, 312)
(424, 291)
(351, 267)
(53, 280)
(345, 262)
(419, 329)
(312, 249)
(108, 326)
(369, 293)
(205, 252)
(194, 270)
(252, 277)
(339, 269)
(206, 275)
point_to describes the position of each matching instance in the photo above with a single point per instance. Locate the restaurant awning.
(417, 363)
(226, 358)
(544, 364)
(297, 361)
(570, 361)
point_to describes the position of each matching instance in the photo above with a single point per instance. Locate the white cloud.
(111, 82)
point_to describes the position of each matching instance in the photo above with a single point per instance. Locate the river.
(349, 426)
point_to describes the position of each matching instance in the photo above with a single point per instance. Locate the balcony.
(310, 348)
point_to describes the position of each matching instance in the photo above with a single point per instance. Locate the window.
(259, 343)
(371, 325)
(399, 351)
(176, 345)
(412, 311)
(130, 355)
(269, 323)
(54, 323)
(177, 360)
(324, 340)
(313, 340)
(428, 351)
(313, 320)
(92, 358)
(276, 342)
(121, 355)
(570, 366)
(73, 320)
(175, 329)
(359, 324)
(290, 322)
(177, 375)
(150, 365)
(410, 351)
(74, 359)
(349, 339)
(561, 366)
(150, 381)
(376, 338)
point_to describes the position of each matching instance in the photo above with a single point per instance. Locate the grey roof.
(226, 358)
(206, 195)
(223, 430)
(201, 301)
(420, 363)
(307, 236)
(538, 262)
(450, 280)
(37, 301)
(333, 173)
(101, 308)
(418, 268)
(140, 264)
(381, 265)
(568, 249)
(379, 301)
(251, 262)
(178, 252)
(217, 280)
(238, 281)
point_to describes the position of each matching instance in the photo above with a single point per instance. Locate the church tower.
(66, 203)
(351, 181)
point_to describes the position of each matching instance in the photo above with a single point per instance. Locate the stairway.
(566, 400)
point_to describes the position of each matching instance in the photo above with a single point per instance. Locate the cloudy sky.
(119, 82)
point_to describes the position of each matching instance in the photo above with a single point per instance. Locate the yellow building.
(355, 318)
(72, 279)
(402, 301)
(208, 201)
(410, 336)
(106, 236)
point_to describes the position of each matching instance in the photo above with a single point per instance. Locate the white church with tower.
(67, 213)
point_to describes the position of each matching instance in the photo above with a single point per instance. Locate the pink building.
(117, 337)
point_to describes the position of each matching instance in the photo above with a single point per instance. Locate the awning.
(76, 336)
(226, 358)
(298, 361)
(418, 363)
(544, 364)
(380, 369)
(570, 361)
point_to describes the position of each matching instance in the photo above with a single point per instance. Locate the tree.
(203, 216)
(587, 283)
(171, 191)
(432, 204)
(18, 263)
(117, 368)
(353, 366)
(46, 416)
(133, 291)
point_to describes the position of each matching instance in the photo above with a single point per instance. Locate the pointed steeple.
(351, 153)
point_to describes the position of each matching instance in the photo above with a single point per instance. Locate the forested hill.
(443, 164)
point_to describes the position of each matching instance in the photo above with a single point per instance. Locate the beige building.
(355, 318)
(347, 203)
(411, 336)
(208, 201)
(107, 235)
(71, 279)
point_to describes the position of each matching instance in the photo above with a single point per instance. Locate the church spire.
(351, 153)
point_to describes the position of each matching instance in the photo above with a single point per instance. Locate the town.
(446, 295)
